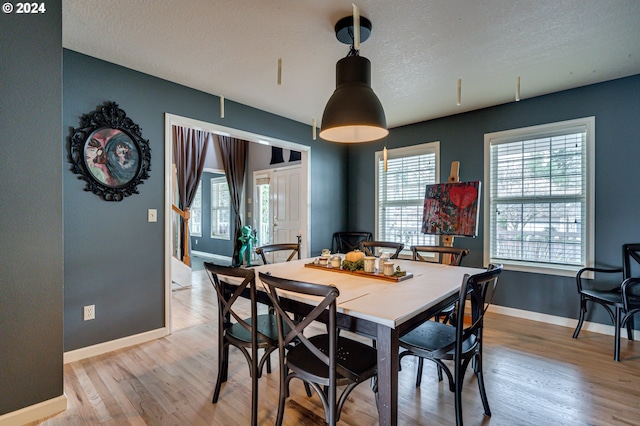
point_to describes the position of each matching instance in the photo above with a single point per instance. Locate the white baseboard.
(35, 412)
(112, 345)
(565, 322)
(219, 258)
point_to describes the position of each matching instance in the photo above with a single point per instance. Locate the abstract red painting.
(451, 209)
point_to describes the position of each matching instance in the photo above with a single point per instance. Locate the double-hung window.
(220, 209)
(539, 198)
(400, 192)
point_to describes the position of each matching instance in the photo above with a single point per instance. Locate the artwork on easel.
(451, 209)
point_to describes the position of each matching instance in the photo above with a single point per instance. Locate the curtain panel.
(234, 160)
(190, 148)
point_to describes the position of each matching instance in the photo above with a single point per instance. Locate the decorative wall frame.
(109, 153)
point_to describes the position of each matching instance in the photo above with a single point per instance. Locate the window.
(220, 209)
(400, 193)
(195, 220)
(539, 213)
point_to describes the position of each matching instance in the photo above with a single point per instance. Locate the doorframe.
(177, 120)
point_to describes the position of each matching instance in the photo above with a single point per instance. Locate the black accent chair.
(460, 343)
(247, 334)
(294, 248)
(630, 301)
(610, 298)
(344, 242)
(444, 255)
(323, 361)
(371, 247)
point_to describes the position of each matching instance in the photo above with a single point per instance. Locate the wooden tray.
(376, 275)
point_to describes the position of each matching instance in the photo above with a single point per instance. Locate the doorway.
(303, 182)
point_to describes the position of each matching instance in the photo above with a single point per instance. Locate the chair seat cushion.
(266, 325)
(433, 336)
(357, 358)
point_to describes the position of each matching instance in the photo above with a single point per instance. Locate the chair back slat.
(455, 258)
(294, 248)
(370, 247)
(344, 242)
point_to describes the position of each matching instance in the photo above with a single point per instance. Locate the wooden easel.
(447, 240)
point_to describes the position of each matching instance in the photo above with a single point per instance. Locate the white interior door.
(286, 205)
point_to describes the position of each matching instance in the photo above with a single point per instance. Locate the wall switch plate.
(89, 312)
(152, 215)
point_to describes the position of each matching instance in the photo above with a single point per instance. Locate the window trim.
(490, 139)
(198, 192)
(407, 151)
(218, 181)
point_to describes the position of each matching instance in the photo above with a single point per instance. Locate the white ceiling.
(418, 49)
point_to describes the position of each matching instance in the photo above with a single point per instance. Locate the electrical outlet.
(89, 312)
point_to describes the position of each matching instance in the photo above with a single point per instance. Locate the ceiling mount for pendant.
(354, 112)
(344, 29)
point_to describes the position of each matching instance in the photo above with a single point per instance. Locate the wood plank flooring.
(535, 374)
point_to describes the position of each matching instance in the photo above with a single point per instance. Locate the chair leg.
(419, 375)
(583, 309)
(616, 352)
(254, 392)
(483, 392)
(223, 352)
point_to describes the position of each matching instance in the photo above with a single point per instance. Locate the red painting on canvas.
(451, 209)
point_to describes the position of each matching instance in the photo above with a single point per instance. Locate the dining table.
(379, 307)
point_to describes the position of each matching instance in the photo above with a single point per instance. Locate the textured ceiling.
(418, 49)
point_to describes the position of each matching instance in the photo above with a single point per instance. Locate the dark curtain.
(190, 148)
(234, 160)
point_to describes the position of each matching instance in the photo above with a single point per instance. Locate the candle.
(356, 27)
(459, 90)
(384, 159)
(221, 106)
(518, 88)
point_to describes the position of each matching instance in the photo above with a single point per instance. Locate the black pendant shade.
(354, 112)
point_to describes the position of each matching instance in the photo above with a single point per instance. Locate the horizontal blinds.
(538, 198)
(401, 197)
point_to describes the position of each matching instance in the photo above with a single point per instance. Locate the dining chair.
(372, 248)
(323, 361)
(460, 342)
(605, 290)
(630, 301)
(346, 241)
(293, 248)
(444, 255)
(247, 334)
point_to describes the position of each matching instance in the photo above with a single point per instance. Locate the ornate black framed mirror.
(109, 153)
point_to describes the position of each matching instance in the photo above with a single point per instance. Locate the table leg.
(387, 345)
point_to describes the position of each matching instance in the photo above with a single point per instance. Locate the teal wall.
(616, 107)
(31, 234)
(113, 257)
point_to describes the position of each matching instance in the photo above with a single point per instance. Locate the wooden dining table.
(382, 309)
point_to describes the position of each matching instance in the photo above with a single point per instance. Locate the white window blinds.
(400, 193)
(539, 197)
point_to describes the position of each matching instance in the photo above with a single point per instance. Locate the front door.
(286, 207)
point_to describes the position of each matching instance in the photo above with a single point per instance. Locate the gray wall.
(205, 243)
(616, 106)
(113, 258)
(31, 244)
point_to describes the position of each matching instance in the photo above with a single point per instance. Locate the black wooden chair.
(608, 294)
(444, 255)
(344, 242)
(630, 301)
(460, 343)
(293, 248)
(373, 248)
(247, 334)
(323, 361)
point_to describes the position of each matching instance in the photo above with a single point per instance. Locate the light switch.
(152, 215)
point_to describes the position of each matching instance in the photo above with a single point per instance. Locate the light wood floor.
(535, 374)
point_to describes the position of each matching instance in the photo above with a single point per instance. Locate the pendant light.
(354, 112)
